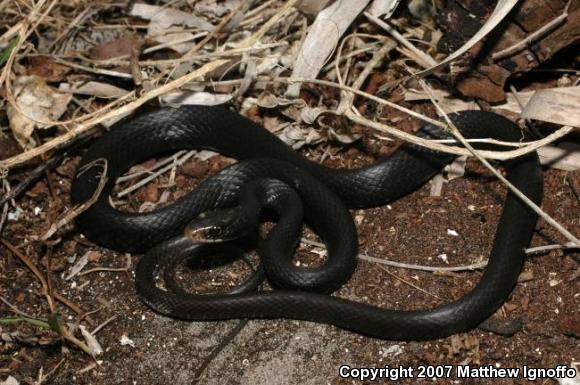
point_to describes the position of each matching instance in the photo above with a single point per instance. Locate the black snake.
(325, 195)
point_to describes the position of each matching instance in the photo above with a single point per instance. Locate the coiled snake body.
(325, 195)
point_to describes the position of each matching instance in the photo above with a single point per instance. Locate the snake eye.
(214, 232)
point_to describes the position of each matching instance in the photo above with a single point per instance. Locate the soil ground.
(414, 229)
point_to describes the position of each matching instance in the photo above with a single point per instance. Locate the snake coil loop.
(325, 193)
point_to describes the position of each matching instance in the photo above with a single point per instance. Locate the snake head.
(216, 226)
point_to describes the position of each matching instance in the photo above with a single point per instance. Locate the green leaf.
(5, 55)
(18, 319)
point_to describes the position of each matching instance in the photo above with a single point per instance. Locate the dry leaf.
(36, 101)
(454, 170)
(166, 25)
(122, 46)
(565, 156)
(512, 104)
(556, 105)
(179, 98)
(457, 168)
(478, 77)
(444, 99)
(100, 90)
(383, 8)
(216, 9)
(437, 183)
(165, 17)
(312, 7)
(296, 136)
(91, 341)
(322, 38)
(173, 36)
(10, 381)
(45, 67)
(79, 265)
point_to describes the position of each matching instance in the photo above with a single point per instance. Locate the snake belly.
(263, 155)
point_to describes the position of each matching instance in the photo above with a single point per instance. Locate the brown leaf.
(194, 169)
(312, 7)
(47, 68)
(94, 256)
(36, 102)
(115, 48)
(151, 193)
(478, 86)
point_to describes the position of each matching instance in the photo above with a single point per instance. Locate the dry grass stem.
(410, 266)
(121, 111)
(113, 269)
(408, 282)
(434, 145)
(149, 178)
(421, 57)
(76, 211)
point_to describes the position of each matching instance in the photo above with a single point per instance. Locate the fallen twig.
(22, 30)
(43, 282)
(22, 314)
(471, 267)
(150, 170)
(502, 9)
(76, 211)
(43, 377)
(421, 57)
(4, 204)
(408, 282)
(127, 108)
(28, 262)
(102, 325)
(34, 175)
(54, 320)
(217, 29)
(434, 145)
(98, 269)
(542, 249)
(154, 175)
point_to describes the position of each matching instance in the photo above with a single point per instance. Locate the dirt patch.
(417, 229)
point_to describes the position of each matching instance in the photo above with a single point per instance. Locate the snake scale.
(326, 194)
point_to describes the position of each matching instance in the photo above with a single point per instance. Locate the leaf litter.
(87, 66)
